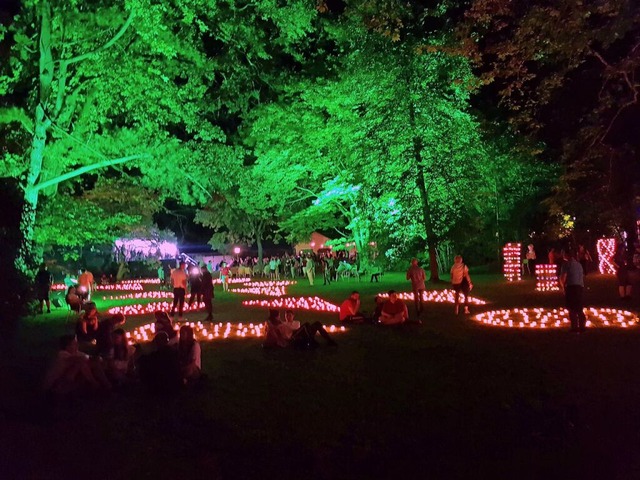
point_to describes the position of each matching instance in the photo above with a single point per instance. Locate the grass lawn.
(448, 399)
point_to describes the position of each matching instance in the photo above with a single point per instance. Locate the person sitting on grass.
(104, 343)
(350, 309)
(291, 333)
(87, 326)
(164, 324)
(74, 372)
(120, 365)
(377, 310)
(394, 311)
(160, 368)
(189, 354)
(73, 300)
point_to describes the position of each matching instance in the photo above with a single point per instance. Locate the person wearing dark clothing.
(195, 283)
(43, 280)
(160, 369)
(621, 262)
(87, 326)
(207, 293)
(572, 282)
(104, 341)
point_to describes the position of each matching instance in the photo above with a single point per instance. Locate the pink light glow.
(145, 247)
(606, 248)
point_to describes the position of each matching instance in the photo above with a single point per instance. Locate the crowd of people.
(99, 358)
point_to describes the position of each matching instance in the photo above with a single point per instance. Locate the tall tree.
(566, 73)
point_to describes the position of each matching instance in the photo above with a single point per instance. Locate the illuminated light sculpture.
(606, 248)
(542, 318)
(295, 303)
(207, 331)
(437, 296)
(547, 278)
(132, 248)
(512, 261)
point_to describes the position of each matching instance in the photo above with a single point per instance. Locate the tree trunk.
(259, 244)
(38, 144)
(432, 244)
(361, 240)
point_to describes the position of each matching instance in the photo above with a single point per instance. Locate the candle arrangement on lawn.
(151, 307)
(295, 303)
(542, 318)
(512, 267)
(205, 331)
(269, 289)
(547, 278)
(151, 294)
(437, 296)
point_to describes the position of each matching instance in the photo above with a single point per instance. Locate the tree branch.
(77, 140)
(110, 43)
(86, 169)
(15, 114)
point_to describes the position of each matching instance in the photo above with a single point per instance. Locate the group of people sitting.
(290, 333)
(387, 311)
(99, 357)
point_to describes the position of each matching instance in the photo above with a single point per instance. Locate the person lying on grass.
(74, 372)
(291, 333)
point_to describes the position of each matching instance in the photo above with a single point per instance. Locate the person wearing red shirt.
(350, 309)
(394, 311)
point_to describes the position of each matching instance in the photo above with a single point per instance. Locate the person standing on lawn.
(207, 292)
(179, 284)
(310, 269)
(461, 282)
(44, 280)
(572, 283)
(417, 276)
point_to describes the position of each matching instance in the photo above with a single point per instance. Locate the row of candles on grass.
(211, 331)
(295, 303)
(271, 289)
(132, 286)
(542, 318)
(436, 296)
(276, 288)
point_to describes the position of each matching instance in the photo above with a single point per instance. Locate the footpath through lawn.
(448, 399)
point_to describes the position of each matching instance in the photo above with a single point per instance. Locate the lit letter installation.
(606, 248)
(547, 278)
(512, 261)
